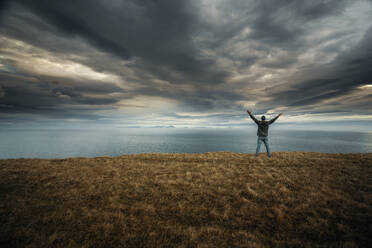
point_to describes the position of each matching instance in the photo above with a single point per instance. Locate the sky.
(185, 63)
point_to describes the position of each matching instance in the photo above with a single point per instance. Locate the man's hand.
(279, 114)
(249, 112)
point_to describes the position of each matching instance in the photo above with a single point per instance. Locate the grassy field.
(294, 199)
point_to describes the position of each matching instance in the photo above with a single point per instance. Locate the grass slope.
(294, 199)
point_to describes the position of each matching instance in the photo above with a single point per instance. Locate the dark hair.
(263, 118)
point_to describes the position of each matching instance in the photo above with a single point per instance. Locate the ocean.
(114, 142)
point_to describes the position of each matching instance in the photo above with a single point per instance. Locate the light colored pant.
(265, 140)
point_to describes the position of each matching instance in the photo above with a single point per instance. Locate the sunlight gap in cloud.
(366, 86)
(36, 60)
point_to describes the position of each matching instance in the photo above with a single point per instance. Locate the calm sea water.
(92, 143)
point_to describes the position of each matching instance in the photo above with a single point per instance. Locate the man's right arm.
(252, 117)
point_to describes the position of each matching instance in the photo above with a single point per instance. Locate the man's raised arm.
(253, 118)
(274, 119)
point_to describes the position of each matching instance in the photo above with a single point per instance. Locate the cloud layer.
(184, 63)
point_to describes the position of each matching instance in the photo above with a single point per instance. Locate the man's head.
(263, 118)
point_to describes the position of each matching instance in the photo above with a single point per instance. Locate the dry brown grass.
(223, 199)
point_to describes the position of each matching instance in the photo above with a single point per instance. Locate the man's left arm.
(273, 120)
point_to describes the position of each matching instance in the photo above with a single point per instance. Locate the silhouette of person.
(263, 132)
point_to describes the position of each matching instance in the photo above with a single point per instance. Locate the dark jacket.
(263, 126)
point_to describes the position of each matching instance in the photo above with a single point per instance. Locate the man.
(263, 131)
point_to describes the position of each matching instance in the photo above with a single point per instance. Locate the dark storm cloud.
(338, 78)
(282, 23)
(47, 96)
(281, 63)
(3, 5)
(158, 32)
(197, 54)
(76, 18)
